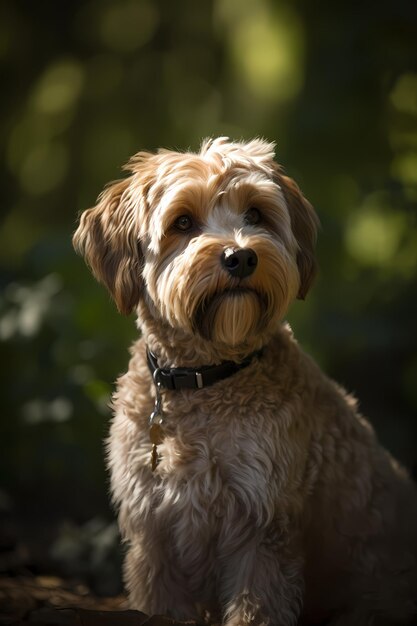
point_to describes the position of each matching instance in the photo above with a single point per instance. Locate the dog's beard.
(231, 316)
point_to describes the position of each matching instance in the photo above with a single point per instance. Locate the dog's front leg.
(154, 586)
(262, 583)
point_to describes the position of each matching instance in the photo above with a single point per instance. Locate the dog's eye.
(253, 216)
(184, 223)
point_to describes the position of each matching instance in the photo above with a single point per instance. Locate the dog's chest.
(218, 459)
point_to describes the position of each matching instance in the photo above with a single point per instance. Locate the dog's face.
(217, 243)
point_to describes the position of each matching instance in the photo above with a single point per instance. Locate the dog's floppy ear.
(305, 223)
(107, 237)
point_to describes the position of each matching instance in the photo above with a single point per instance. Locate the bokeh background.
(85, 85)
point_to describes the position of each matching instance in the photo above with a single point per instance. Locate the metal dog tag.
(156, 432)
(155, 458)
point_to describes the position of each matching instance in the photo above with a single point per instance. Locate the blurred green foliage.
(87, 84)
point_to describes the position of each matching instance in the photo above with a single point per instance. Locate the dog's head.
(217, 243)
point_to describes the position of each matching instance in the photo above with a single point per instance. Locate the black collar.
(195, 378)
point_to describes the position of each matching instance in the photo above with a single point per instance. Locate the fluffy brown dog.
(252, 490)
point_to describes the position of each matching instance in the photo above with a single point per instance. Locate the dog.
(249, 488)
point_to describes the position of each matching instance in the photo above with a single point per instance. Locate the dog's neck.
(178, 348)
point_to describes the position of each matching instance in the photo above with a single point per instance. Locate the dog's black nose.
(240, 262)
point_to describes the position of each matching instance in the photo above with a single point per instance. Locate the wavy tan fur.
(273, 502)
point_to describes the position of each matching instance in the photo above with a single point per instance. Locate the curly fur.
(273, 502)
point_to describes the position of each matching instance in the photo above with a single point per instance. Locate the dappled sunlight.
(37, 410)
(373, 237)
(402, 133)
(23, 308)
(404, 168)
(36, 154)
(404, 94)
(377, 235)
(402, 138)
(59, 88)
(266, 43)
